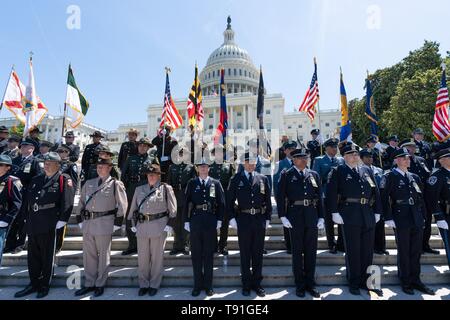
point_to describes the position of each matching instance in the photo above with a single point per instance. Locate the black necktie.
(203, 184)
(250, 178)
(355, 171)
(302, 176)
(333, 160)
(100, 182)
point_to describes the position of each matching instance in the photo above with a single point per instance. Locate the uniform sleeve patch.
(432, 180)
(383, 182)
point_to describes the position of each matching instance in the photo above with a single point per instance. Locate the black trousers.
(131, 236)
(287, 239)
(41, 251)
(427, 230)
(223, 238)
(329, 229)
(359, 241)
(181, 235)
(203, 246)
(380, 236)
(409, 246)
(304, 253)
(17, 234)
(251, 234)
(60, 234)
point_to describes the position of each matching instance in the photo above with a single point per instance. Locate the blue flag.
(370, 109)
(346, 127)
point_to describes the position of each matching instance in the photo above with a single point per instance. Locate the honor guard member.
(419, 167)
(250, 207)
(133, 176)
(437, 195)
(354, 200)
(74, 149)
(300, 208)
(387, 156)
(44, 149)
(34, 139)
(164, 143)
(25, 167)
(4, 133)
(10, 199)
(70, 169)
(13, 150)
(323, 166)
(203, 215)
(222, 171)
(90, 157)
(402, 197)
(280, 167)
(180, 173)
(154, 209)
(104, 152)
(423, 148)
(314, 147)
(103, 202)
(48, 205)
(281, 154)
(371, 143)
(380, 237)
(128, 148)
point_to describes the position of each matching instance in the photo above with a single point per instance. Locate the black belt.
(305, 203)
(203, 207)
(409, 202)
(251, 211)
(87, 215)
(362, 201)
(142, 217)
(37, 207)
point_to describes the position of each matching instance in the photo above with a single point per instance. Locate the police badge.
(212, 191)
(313, 182)
(262, 187)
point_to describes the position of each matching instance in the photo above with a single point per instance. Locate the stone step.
(273, 258)
(276, 276)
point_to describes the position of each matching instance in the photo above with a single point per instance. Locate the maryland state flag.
(346, 127)
(195, 108)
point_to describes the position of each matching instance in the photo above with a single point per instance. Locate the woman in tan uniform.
(153, 211)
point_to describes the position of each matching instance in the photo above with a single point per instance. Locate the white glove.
(233, 224)
(80, 225)
(168, 229)
(219, 224)
(133, 229)
(60, 224)
(442, 224)
(3, 224)
(377, 217)
(286, 223)
(337, 218)
(187, 226)
(390, 223)
(115, 228)
(321, 224)
(267, 224)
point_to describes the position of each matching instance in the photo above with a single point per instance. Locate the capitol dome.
(241, 75)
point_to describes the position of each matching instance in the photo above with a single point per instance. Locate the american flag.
(170, 115)
(441, 125)
(312, 96)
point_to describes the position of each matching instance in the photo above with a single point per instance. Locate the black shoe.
(142, 292)
(264, 251)
(289, 251)
(129, 251)
(42, 293)
(430, 251)
(246, 292)
(152, 292)
(423, 288)
(25, 292)
(381, 252)
(260, 292)
(313, 292)
(340, 249)
(223, 251)
(173, 252)
(99, 291)
(408, 290)
(333, 250)
(209, 292)
(185, 252)
(8, 250)
(355, 291)
(196, 292)
(300, 293)
(17, 250)
(83, 291)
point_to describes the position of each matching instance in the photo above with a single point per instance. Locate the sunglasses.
(63, 151)
(4, 165)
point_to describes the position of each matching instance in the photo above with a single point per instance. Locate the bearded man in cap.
(103, 152)
(164, 144)
(90, 157)
(314, 147)
(33, 136)
(128, 148)
(69, 138)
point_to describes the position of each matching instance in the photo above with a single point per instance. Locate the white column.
(231, 123)
(245, 126)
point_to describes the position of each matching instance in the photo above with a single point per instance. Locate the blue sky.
(120, 51)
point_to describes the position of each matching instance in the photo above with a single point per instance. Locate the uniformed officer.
(203, 214)
(104, 152)
(314, 147)
(133, 176)
(44, 149)
(387, 156)
(164, 142)
(371, 143)
(25, 167)
(250, 208)
(48, 205)
(323, 165)
(423, 148)
(180, 173)
(103, 203)
(281, 154)
(220, 169)
(437, 195)
(404, 207)
(419, 167)
(69, 138)
(10, 199)
(33, 137)
(153, 208)
(12, 149)
(90, 156)
(128, 148)
(4, 133)
(300, 208)
(380, 237)
(354, 200)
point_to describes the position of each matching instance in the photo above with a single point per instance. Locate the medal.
(27, 168)
(212, 191)
(313, 182)
(35, 207)
(262, 187)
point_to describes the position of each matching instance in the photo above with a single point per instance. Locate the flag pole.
(318, 112)
(6, 88)
(65, 106)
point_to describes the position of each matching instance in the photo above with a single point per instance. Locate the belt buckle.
(411, 201)
(364, 201)
(205, 207)
(35, 207)
(252, 211)
(306, 203)
(91, 215)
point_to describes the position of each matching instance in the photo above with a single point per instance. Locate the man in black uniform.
(371, 142)
(10, 199)
(48, 204)
(314, 147)
(44, 149)
(74, 149)
(133, 176)
(166, 142)
(4, 133)
(34, 139)
(423, 148)
(404, 210)
(25, 167)
(103, 152)
(90, 157)
(352, 195)
(300, 207)
(387, 156)
(128, 148)
(203, 215)
(251, 218)
(13, 150)
(180, 173)
(222, 171)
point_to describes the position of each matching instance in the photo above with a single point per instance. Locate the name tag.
(314, 183)
(27, 168)
(416, 186)
(262, 188)
(212, 191)
(165, 158)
